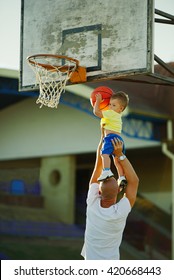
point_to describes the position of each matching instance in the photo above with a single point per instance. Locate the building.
(47, 156)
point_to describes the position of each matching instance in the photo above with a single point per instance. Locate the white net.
(52, 80)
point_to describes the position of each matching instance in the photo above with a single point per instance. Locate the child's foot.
(122, 182)
(105, 175)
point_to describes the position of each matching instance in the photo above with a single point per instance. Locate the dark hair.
(122, 96)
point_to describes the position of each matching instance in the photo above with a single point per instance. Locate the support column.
(171, 156)
(57, 177)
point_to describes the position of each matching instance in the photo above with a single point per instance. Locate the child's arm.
(97, 112)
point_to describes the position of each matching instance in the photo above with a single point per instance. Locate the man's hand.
(118, 147)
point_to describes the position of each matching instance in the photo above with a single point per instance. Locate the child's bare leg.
(106, 161)
(106, 173)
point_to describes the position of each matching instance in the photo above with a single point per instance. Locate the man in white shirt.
(105, 217)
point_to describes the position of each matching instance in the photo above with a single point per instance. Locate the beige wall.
(161, 199)
(28, 131)
(154, 171)
(57, 177)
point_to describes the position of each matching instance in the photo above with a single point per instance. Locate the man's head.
(109, 190)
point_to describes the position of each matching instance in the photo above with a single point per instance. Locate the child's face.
(115, 105)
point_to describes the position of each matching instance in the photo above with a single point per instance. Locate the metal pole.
(170, 155)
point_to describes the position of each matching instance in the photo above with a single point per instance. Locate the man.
(106, 218)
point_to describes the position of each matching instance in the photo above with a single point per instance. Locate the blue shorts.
(107, 147)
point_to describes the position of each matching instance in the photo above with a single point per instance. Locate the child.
(112, 123)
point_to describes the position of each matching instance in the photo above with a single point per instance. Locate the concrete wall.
(154, 171)
(28, 131)
(57, 176)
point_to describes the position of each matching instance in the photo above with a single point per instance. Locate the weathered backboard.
(109, 37)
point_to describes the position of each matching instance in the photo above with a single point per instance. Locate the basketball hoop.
(52, 77)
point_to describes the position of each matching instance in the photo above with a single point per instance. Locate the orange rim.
(63, 68)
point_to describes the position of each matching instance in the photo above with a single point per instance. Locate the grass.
(23, 248)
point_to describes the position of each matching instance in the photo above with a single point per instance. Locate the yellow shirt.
(112, 120)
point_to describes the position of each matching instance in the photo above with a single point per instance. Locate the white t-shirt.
(104, 227)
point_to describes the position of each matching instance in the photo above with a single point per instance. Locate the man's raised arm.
(129, 172)
(98, 163)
